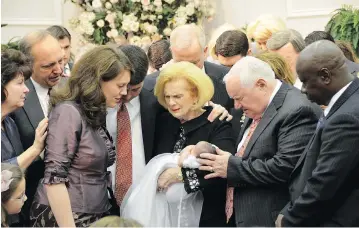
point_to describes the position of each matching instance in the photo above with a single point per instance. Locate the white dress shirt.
(42, 94)
(138, 152)
(335, 98)
(277, 87)
(67, 71)
(298, 84)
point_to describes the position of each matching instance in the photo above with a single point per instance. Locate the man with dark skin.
(324, 189)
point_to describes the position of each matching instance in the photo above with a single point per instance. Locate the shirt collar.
(335, 98)
(133, 103)
(42, 91)
(275, 91)
(298, 84)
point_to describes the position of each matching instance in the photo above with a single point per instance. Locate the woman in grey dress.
(79, 149)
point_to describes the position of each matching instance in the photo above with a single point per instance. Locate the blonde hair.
(263, 28)
(115, 221)
(215, 34)
(201, 84)
(280, 67)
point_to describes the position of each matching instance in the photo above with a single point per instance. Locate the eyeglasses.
(22, 198)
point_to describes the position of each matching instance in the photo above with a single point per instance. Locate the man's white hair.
(250, 70)
(183, 36)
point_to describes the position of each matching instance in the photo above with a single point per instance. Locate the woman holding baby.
(184, 90)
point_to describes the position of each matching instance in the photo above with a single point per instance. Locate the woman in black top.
(184, 89)
(15, 69)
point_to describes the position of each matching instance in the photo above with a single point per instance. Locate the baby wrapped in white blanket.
(173, 207)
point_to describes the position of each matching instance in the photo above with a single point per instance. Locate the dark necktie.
(124, 154)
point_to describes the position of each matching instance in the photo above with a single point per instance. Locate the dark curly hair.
(159, 53)
(102, 63)
(13, 64)
(231, 43)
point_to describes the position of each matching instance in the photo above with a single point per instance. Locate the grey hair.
(250, 70)
(29, 40)
(281, 38)
(183, 36)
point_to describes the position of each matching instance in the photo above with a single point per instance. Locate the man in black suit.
(188, 43)
(324, 187)
(321, 35)
(47, 57)
(279, 124)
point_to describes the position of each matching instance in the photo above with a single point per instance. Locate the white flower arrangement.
(141, 22)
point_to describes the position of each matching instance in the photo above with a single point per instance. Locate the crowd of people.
(253, 128)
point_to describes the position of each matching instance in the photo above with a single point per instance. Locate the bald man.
(188, 43)
(324, 186)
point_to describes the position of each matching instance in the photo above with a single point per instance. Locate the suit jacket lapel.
(148, 119)
(32, 105)
(269, 114)
(267, 117)
(245, 125)
(345, 96)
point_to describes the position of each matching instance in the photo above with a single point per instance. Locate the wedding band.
(212, 169)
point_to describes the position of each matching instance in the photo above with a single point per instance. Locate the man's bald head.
(188, 43)
(322, 69)
(185, 36)
(321, 54)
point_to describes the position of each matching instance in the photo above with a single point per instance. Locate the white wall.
(302, 15)
(23, 16)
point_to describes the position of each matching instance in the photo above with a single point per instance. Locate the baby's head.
(203, 147)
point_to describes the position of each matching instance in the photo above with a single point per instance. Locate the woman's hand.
(168, 177)
(218, 111)
(40, 135)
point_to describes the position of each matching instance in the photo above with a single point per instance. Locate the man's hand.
(278, 222)
(218, 111)
(217, 164)
(168, 177)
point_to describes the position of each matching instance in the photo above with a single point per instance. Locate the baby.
(173, 207)
(188, 159)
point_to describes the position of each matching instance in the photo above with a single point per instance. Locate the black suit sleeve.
(292, 138)
(337, 159)
(222, 137)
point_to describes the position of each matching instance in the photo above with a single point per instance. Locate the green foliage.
(344, 25)
(12, 44)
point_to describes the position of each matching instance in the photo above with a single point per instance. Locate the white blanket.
(173, 208)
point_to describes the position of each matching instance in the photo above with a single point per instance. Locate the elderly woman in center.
(184, 89)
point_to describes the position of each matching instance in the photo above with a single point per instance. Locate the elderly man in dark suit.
(47, 57)
(280, 121)
(188, 43)
(324, 189)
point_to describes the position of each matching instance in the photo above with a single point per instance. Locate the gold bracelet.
(180, 176)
